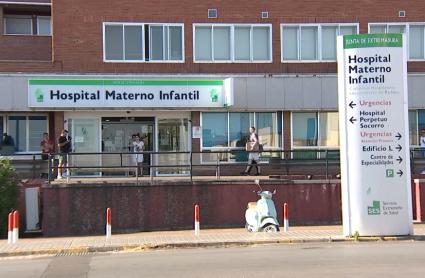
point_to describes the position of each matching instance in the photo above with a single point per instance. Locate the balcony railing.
(25, 48)
(322, 164)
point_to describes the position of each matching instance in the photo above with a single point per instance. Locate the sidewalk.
(182, 239)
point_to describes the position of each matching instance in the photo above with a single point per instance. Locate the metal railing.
(197, 163)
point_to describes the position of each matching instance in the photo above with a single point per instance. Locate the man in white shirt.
(138, 147)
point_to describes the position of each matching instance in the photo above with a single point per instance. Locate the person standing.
(64, 145)
(46, 146)
(138, 147)
(130, 142)
(252, 146)
(422, 142)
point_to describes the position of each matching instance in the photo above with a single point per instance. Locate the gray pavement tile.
(179, 237)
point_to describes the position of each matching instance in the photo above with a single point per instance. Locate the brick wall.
(78, 29)
(29, 1)
(30, 48)
(78, 34)
(58, 125)
(196, 142)
(80, 209)
(19, 48)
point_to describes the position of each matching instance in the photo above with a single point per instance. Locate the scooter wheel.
(270, 228)
(248, 228)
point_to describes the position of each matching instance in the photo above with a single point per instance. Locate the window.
(304, 129)
(214, 130)
(221, 41)
(26, 132)
(113, 43)
(242, 43)
(315, 129)
(416, 126)
(312, 42)
(416, 42)
(414, 35)
(212, 13)
(413, 128)
(240, 124)
(268, 125)
(166, 43)
(232, 43)
(203, 47)
(18, 25)
(173, 137)
(143, 42)
(230, 129)
(23, 25)
(44, 26)
(328, 129)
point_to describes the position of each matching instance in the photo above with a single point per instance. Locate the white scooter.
(261, 215)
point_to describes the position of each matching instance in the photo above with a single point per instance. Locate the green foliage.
(8, 193)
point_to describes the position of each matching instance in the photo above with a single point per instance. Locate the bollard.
(15, 235)
(197, 225)
(108, 223)
(418, 200)
(285, 218)
(10, 228)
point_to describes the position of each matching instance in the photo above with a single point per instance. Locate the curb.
(189, 245)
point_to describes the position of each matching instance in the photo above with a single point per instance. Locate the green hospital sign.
(102, 93)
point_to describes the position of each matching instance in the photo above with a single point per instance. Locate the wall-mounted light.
(212, 13)
(401, 13)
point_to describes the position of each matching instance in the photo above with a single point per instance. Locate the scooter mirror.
(274, 191)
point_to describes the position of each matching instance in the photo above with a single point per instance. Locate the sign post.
(374, 138)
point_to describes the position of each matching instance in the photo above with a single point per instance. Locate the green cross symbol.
(39, 95)
(214, 95)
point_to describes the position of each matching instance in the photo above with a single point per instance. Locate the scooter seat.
(252, 205)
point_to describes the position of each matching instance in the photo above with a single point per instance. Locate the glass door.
(173, 136)
(117, 135)
(85, 139)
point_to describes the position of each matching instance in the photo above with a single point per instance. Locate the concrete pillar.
(287, 130)
(58, 125)
(196, 142)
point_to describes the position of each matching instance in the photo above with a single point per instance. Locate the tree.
(8, 193)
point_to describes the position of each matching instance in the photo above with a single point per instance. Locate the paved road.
(377, 259)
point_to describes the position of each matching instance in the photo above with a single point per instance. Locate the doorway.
(173, 136)
(117, 139)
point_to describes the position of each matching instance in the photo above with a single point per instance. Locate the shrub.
(8, 193)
